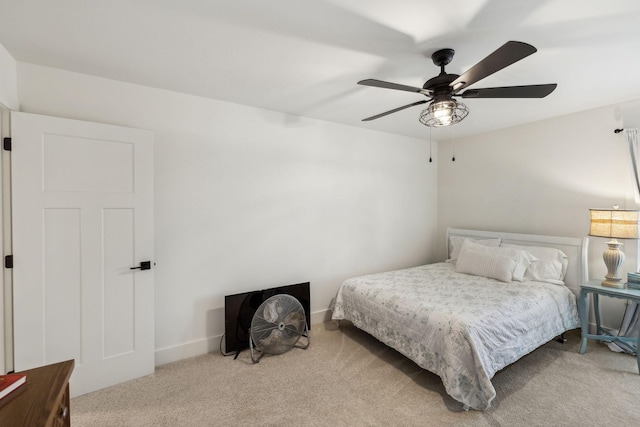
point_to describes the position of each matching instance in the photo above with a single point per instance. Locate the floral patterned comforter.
(463, 328)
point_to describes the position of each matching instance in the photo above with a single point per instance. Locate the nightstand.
(596, 289)
(43, 400)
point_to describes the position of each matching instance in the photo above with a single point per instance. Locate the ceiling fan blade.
(505, 55)
(532, 91)
(396, 86)
(377, 116)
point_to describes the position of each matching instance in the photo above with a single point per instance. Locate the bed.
(498, 297)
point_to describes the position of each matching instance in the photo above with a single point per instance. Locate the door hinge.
(8, 261)
(6, 144)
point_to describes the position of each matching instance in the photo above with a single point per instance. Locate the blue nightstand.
(594, 287)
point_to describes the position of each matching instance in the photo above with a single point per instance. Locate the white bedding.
(463, 328)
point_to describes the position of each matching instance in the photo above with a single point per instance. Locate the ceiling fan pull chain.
(453, 139)
(430, 146)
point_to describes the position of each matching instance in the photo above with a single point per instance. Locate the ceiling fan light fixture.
(443, 113)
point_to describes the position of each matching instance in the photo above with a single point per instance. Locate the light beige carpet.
(348, 378)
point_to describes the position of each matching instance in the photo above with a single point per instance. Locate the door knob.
(144, 265)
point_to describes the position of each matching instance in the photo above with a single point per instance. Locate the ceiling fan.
(440, 90)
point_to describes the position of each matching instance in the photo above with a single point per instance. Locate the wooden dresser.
(42, 401)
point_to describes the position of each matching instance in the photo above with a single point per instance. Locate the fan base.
(256, 357)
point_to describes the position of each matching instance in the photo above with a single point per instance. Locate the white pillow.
(485, 264)
(550, 264)
(455, 244)
(521, 257)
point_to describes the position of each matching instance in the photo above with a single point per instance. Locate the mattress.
(461, 327)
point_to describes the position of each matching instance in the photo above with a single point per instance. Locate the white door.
(82, 209)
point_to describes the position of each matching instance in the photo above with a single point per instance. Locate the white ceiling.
(304, 57)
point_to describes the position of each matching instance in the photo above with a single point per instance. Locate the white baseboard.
(187, 350)
(211, 344)
(321, 316)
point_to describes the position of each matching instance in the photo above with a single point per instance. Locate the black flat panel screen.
(240, 308)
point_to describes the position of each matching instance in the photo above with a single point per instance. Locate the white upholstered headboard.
(574, 247)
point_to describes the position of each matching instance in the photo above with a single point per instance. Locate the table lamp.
(615, 224)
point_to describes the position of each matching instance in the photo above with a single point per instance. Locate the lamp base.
(613, 283)
(613, 259)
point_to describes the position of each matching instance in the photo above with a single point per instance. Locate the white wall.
(8, 81)
(542, 178)
(249, 199)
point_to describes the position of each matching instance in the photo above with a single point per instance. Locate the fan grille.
(278, 324)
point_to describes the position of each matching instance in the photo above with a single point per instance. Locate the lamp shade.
(614, 223)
